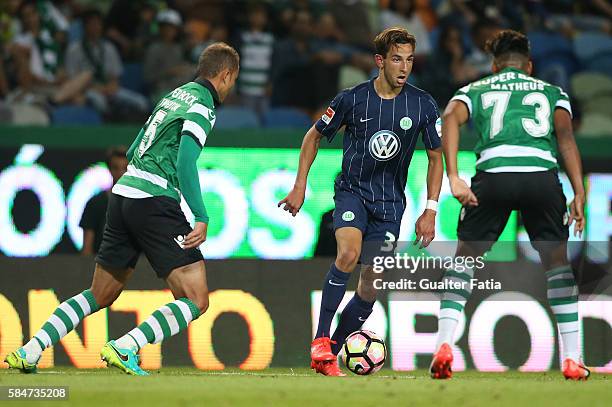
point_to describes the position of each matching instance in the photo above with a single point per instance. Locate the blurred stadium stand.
(286, 117)
(72, 115)
(236, 117)
(132, 78)
(571, 47)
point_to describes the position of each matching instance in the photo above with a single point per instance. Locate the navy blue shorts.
(379, 236)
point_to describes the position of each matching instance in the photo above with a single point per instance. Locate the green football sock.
(162, 324)
(563, 299)
(452, 304)
(63, 320)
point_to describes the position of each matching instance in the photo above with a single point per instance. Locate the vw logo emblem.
(384, 145)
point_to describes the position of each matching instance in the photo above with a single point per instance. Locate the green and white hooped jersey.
(513, 114)
(187, 110)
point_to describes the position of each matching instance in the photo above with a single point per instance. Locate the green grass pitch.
(301, 387)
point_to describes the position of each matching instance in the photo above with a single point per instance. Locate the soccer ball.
(364, 352)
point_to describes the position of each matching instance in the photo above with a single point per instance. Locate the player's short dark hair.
(392, 37)
(217, 57)
(113, 152)
(508, 43)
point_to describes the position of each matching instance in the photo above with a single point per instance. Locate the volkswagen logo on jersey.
(384, 145)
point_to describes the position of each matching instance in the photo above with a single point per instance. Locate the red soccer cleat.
(573, 370)
(441, 364)
(327, 368)
(320, 350)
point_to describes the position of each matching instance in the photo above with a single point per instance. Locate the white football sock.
(32, 350)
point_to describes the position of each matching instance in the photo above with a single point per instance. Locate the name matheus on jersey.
(513, 116)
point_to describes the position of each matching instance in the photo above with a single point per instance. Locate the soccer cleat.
(320, 350)
(441, 364)
(327, 368)
(124, 359)
(17, 360)
(573, 370)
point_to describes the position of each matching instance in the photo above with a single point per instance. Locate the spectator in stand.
(255, 45)
(54, 21)
(352, 18)
(99, 57)
(9, 20)
(302, 75)
(8, 30)
(200, 34)
(165, 66)
(328, 37)
(478, 57)
(426, 13)
(196, 32)
(5, 111)
(130, 26)
(447, 69)
(401, 13)
(570, 16)
(38, 69)
(94, 214)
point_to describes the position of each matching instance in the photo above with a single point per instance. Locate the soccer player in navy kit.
(383, 119)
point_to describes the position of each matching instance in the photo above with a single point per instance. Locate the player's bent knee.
(104, 299)
(200, 300)
(346, 260)
(202, 304)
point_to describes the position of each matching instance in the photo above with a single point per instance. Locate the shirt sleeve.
(563, 102)
(431, 130)
(198, 123)
(188, 178)
(463, 95)
(334, 116)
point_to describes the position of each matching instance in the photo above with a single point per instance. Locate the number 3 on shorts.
(389, 244)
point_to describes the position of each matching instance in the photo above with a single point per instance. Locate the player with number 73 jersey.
(519, 121)
(513, 115)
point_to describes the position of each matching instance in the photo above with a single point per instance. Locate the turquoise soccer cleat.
(123, 359)
(17, 360)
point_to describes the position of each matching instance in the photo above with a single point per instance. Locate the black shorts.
(379, 235)
(538, 196)
(155, 226)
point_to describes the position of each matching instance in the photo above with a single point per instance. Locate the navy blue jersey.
(379, 139)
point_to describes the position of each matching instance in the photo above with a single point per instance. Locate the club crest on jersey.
(384, 145)
(328, 115)
(348, 216)
(406, 123)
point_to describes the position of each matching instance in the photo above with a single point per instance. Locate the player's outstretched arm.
(310, 146)
(189, 184)
(573, 166)
(455, 115)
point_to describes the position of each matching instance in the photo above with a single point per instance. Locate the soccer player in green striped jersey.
(144, 215)
(519, 120)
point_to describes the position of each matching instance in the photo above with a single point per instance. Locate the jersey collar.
(206, 83)
(511, 68)
(373, 88)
